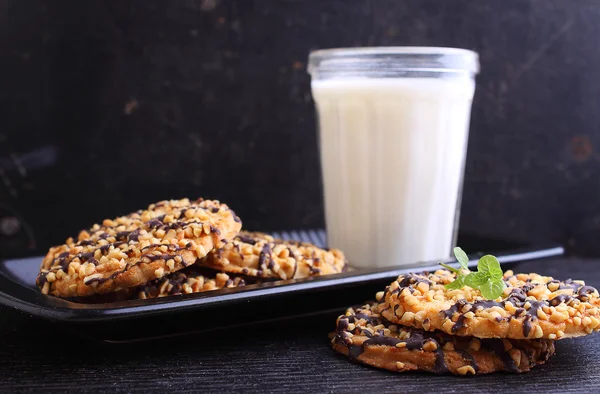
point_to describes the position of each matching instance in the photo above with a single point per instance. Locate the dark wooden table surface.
(291, 356)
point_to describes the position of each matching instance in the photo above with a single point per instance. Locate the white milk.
(392, 153)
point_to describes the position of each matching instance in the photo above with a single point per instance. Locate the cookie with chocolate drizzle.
(132, 250)
(187, 281)
(190, 280)
(365, 336)
(532, 306)
(261, 255)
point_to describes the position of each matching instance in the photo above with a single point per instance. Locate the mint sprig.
(487, 279)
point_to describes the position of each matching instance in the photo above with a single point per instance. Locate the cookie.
(131, 250)
(532, 306)
(365, 336)
(260, 255)
(187, 281)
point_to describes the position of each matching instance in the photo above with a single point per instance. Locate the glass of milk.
(393, 125)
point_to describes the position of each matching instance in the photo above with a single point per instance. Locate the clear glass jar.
(393, 130)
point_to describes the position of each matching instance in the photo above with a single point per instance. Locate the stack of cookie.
(418, 324)
(175, 247)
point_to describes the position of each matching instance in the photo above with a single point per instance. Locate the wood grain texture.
(293, 356)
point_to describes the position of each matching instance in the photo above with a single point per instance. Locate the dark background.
(110, 105)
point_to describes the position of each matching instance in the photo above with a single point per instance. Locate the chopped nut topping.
(467, 369)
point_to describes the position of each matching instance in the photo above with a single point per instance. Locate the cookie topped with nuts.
(261, 255)
(531, 306)
(365, 336)
(188, 281)
(132, 250)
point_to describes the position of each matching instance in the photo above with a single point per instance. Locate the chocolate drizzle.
(154, 223)
(105, 248)
(469, 357)
(527, 325)
(314, 270)
(157, 224)
(535, 306)
(41, 279)
(122, 235)
(584, 291)
(171, 247)
(486, 304)
(265, 260)
(246, 239)
(440, 362)
(460, 323)
(568, 284)
(497, 347)
(83, 257)
(63, 261)
(165, 257)
(102, 280)
(412, 279)
(134, 236)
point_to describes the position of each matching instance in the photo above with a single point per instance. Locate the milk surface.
(392, 156)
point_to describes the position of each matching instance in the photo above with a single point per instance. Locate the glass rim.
(407, 58)
(385, 50)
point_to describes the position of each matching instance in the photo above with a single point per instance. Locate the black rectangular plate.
(145, 319)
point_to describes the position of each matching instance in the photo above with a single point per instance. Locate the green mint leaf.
(449, 267)
(487, 279)
(495, 270)
(492, 289)
(461, 257)
(476, 279)
(458, 283)
(490, 265)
